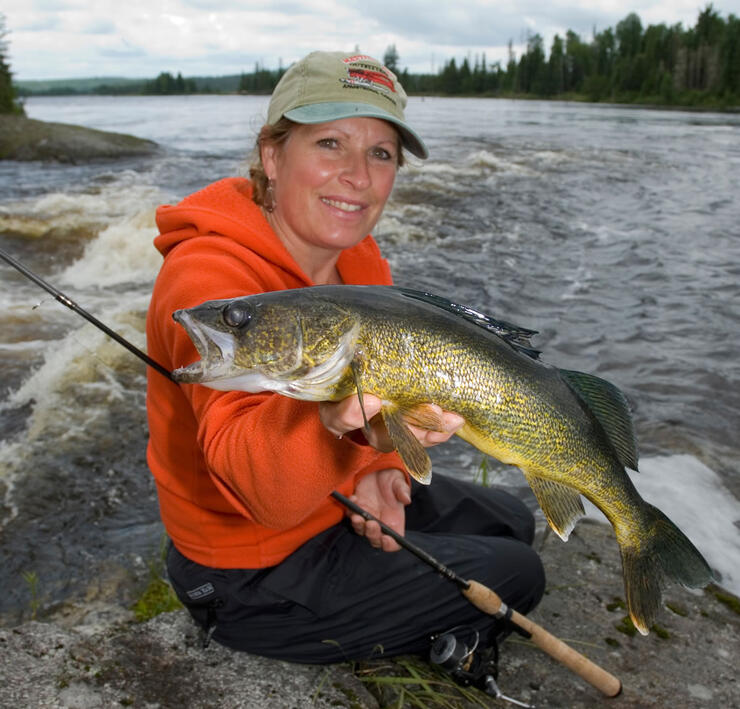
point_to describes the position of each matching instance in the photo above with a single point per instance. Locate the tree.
(730, 53)
(629, 35)
(532, 71)
(556, 67)
(391, 58)
(577, 61)
(8, 103)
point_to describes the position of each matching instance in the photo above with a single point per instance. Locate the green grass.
(412, 683)
(158, 596)
(32, 581)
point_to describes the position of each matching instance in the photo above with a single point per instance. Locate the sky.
(59, 39)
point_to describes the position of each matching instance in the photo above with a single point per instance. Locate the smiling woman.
(329, 184)
(262, 555)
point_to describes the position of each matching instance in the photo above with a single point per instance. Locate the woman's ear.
(268, 153)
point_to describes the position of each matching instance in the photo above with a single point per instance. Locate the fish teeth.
(344, 206)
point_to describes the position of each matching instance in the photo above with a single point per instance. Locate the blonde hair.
(277, 134)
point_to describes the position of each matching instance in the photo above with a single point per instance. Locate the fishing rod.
(488, 601)
(64, 300)
(482, 597)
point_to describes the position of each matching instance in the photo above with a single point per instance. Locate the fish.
(570, 433)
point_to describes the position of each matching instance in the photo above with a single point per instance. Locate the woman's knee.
(515, 571)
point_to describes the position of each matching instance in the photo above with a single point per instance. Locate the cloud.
(99, 27)
(126, 52)
(44, 24)
(140, 38)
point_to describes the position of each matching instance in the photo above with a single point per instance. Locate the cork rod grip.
(489, 602)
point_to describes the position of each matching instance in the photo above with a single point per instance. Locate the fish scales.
(570, 433)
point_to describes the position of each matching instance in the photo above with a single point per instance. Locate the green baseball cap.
(327, 86)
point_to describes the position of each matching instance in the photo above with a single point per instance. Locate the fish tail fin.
(664, 554)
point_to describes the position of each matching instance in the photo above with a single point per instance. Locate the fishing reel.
(457, 651)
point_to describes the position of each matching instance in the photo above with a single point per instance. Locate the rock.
(26, 139)
(690, 654)
(160, 663)
(94, 655)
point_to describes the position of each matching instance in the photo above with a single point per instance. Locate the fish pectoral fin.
(425, 416)
(413, 454)
(358, 386)
(561, 505)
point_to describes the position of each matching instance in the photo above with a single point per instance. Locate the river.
(612, 231)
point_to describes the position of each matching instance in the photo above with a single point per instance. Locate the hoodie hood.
(226, 208)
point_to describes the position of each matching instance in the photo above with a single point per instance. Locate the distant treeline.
(657, 64)
(629, 63)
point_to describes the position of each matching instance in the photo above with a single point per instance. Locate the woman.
(261, 555)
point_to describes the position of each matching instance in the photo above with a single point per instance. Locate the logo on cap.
(367, 73)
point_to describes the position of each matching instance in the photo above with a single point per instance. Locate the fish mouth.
(215, 348)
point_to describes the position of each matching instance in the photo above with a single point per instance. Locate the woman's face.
(331, 182)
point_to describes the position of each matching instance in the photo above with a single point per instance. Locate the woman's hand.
(384, 494)
(342, 417)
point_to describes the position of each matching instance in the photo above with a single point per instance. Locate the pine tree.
(8, 102)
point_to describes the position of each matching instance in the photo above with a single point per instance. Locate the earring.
(269, 201)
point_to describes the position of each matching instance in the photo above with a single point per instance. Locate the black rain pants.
(336, 598)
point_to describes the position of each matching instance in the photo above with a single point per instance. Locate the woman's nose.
(357, 171)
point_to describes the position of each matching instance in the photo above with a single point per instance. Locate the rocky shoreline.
(26, 139)
(98, 656)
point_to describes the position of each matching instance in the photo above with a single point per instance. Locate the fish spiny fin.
(611, 408)
(561, 505)
(517, 337)
(413, 454)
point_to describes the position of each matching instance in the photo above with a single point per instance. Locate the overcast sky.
(140, 38)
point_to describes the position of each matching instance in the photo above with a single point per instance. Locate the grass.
(32, 581)
(412, 683)
(483, 475)
(158, 596)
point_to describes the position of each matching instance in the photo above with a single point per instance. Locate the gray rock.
(160, 663)
(96, 656)
(26, 139)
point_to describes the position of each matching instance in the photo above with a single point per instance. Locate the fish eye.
(236, 314)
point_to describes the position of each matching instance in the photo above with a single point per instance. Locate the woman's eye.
(328, 143)
(382, 154)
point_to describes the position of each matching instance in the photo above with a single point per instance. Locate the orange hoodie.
(243, 479)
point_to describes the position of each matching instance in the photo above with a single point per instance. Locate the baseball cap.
(327, 86)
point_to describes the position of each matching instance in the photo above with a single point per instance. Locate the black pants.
(337, 598)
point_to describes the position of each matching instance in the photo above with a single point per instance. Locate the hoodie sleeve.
(268, 455)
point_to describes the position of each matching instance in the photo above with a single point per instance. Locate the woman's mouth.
(342, 205)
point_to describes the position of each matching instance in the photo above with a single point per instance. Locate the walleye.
(570, 433)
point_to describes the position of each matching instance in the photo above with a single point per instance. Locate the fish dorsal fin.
(611, 408)
(561, 505)
(413, 454)
(516, 336)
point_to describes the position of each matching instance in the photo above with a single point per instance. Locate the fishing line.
(69, 303)
(479, 595)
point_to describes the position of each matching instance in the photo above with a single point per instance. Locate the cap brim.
(324, 112)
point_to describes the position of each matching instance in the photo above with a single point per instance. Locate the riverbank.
(98, 655)
(26, 139)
